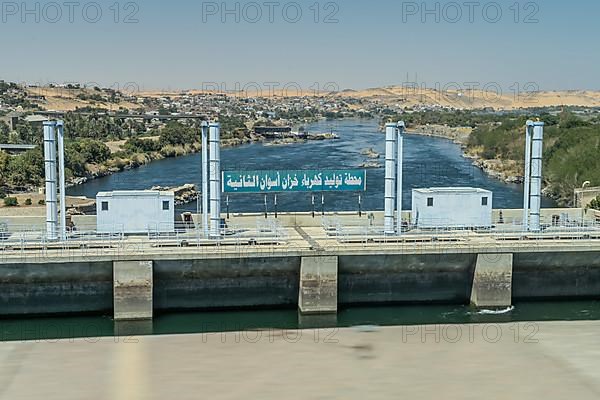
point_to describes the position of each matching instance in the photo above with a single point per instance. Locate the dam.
(455, 249)
(315, 264)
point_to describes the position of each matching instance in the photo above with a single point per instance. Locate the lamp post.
(585, 184)
(399, 166)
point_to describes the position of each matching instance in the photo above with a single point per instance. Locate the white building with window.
(135, 212)
(464, 207)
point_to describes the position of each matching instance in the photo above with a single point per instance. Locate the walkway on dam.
(301, 234)
(550, 360)
(300, 242)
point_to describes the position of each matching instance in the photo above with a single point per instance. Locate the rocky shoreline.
(508, 171)
(499, 169)
(304, 139)
(147, 158)
(458, 135)
(184, 194)
(504, 170)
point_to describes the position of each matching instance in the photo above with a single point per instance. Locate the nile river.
(428, 162)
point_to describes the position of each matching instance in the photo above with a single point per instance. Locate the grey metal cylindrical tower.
(390, 178)
(537, 145)
(205, 167)
(50, 178)
(527, 174)
(215, 180)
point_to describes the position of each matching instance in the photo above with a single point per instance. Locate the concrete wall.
(55, 288)
(352, 218)
(221, 283)
(84, 287)
(583, 197)
(306, 220)
(516, 215)
(21, 223)
(406, 278)
(538, 276)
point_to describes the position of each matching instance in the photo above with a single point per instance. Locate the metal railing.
(265, 236)
(551, 230)
(268, 236)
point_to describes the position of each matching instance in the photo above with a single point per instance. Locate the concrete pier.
(492, 282)
(133, 287)
(318, 285)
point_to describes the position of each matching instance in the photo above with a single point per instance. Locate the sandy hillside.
(409, 97)
(61, 99)
(250, 91)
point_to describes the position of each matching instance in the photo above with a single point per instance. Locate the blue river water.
(428, 162)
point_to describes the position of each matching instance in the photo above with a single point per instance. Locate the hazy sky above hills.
(348, 44)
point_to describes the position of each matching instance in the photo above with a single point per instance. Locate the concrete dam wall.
(56, 288)
(226, 283)
(28, 288)
(549, 276)
(407, 278)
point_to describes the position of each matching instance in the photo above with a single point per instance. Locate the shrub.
(28, 202)
(595, 204)
(11, 202)
(168, 151)
(42, 202)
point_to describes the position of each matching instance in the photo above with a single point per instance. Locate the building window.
(484, 201)
(430, 202)
(166, 205)
(105, 206)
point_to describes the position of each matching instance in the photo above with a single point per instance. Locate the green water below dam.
(95, 327)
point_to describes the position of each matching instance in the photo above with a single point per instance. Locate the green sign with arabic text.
(294, 181)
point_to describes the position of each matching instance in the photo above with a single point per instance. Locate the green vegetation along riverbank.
(88, 156)
(497, 144)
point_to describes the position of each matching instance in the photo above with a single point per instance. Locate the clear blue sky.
(185, 43)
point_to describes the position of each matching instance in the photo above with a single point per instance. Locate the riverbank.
(119, 164)
(508, 171)
(517, 361)
(459, 135)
